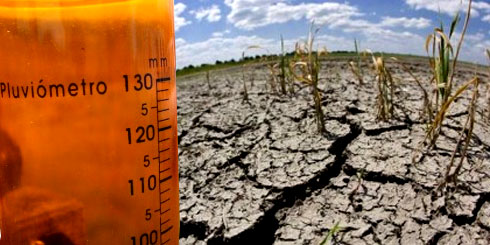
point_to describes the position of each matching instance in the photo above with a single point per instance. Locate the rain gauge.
(88, 122)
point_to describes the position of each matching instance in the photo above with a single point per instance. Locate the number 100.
(145, 238)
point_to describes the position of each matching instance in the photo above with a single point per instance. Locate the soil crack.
(378, 131)
(193, 228)
(263, 231)
(378, 177)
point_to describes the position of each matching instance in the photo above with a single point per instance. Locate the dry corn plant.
(488, 102)
(488, 88)
(386, 89)
(287, 84)
(440, 60)
(355, 71)
(272, 67)
(282, 64)
(356, 66)
(208, 80)
(443, 72)
(273, 75)
(245, 91)
(338, 77)
(427, 114)
(465, 135)
(443, 76)
(288, 75)
(332, 233)
(356, 190)
(252, 80)
(305, 68)
(244, 68)
(439, 117)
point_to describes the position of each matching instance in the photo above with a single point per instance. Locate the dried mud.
(259, 172)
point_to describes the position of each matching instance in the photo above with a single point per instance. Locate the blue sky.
(210, 30)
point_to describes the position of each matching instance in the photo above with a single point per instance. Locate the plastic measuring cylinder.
(88, 122)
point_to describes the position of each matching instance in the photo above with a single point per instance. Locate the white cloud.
(486, 18)
(220, 33)
(180, 42)
(217, 48)
(474, 38)
(217, 34)
(418, 23)
(474, 46)
(374, 31)
(395, 42)
(475, 51)
(180, 21)
(250, 14)
(450, 7)
(211, 14)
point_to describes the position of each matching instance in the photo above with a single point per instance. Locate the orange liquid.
(92, 157)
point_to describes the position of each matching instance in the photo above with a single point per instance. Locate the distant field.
(190, 70)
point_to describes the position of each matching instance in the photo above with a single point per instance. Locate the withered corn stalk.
(488, 89)
(464, 140)
(208, 80)
(282, 64)
(245, 91)
(272, 78)
(305, 68)
(427, 111)
(244, 68)
(356, 72)
(386, 90)
(356, 66)
(443, 71)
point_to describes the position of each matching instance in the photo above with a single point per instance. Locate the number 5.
(144, 109)
(147, 161)
(148, 215)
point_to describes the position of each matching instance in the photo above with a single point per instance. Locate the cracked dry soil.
(259, 173)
